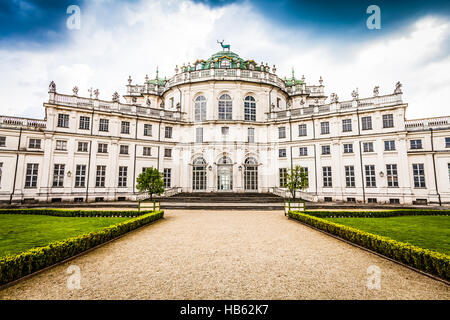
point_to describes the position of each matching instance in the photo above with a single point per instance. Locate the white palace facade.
(225, 124)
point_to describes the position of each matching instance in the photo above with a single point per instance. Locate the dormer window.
(251, 66)
(198, 66)
(225, 63)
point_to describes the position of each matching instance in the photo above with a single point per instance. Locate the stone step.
(222, 206)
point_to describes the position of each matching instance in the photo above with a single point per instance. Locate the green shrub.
(423, 259)
(377, 214)
(15, 267)
(74, 213)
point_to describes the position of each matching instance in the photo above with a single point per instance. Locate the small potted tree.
(151, 182)
(296, 180)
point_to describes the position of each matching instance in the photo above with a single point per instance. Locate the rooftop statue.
(224, 46)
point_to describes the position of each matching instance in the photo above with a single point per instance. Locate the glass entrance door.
(225, 178)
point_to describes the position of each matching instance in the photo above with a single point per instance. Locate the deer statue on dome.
(224, 46)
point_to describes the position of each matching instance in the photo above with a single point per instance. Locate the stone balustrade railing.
(423, 124)
(22, 122)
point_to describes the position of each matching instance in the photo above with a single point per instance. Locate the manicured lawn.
(428, 232)
(22, 232)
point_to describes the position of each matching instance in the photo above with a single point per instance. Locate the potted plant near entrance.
(151, 182)
(296, 180)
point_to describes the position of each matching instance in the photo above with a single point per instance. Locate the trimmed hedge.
(422, 259)
(377, 214)
(75, 213)
(25, 263)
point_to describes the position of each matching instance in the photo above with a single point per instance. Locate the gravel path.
(228, 255)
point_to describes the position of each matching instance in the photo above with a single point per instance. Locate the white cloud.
(117, 40)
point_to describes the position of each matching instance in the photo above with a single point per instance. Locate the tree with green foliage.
(150, 181)
(297, 179)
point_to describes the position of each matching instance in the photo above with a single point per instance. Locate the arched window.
(251, 174)
(225, 63)
(200, 108)
(199, 174)
(198, 66)
(225, 107)
(225, 160)
(249, 108)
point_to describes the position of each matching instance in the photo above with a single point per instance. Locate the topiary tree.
(297, 179)
(150, 181)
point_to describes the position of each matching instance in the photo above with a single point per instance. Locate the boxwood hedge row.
(25, 263)
(422, 259)
(75, 213)
(377, 214)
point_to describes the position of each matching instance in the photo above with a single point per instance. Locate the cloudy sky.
(316, 38)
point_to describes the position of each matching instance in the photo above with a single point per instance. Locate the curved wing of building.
(230, 125)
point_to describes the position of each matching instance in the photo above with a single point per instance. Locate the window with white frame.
(124, 149)
(366, 123)
(82, 146)
(80, 175)
(303, 151)
(302, 130)
(282, 176)
(349, 176)
(282, 153)
(168, 132)
(199, 174)
(34, 144)
(388, 120)
(63, 120)
(389, 145)
(2, 141)
(61, 145)
(347, 125)
(123, 176)
(125, 127)
(368, 146)
(370, 176)
(102, 148)
(281, 132)
(31, 175)
(348, 147)
(225, 63)
(416, 144)
(326, 149)
(167, 177)
(147, 151)
(392, 175)
(324, 127)
(147, 130)
(85, 123)
(250, 135)
(103, 125)
(225, 107)
(198, 135)
(168, 153)
(249, 108)
(418, 175)
(447, 142)
(200, 108)
(100, 176)
(327, 178)
(58, 175)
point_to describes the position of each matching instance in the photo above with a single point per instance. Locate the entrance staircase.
(223, 201)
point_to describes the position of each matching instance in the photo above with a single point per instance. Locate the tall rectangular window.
(147, 151)
(168, 132)
(324, 127)
(102, 148)
(305, 170)
(100, 177)
(2, 141)
(58, 175)
(61, 145)
(389, 145)
(282, 153)
(282, 176)
(125, 127)
(370, 176)
(199, 135)
(447, 142)
(85, 123)
(366, 123)
(103, 125)
(123, 175)
(251, 135)
(302, 131)
(80, 176)
(281, 132)
(326, 149)
(31, 175)
(349, 176)
(63, 120)
(368, 146)
(388, 120)
(34, 144)
(167, 177)
(147, 130)
(416, 144)
(303, 151)
(392, 175)
(124, 149)
(82, 146)
(347, 125)
(419, 175)
(348, 147)
(327, 178)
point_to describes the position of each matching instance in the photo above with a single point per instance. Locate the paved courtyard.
(228, 255)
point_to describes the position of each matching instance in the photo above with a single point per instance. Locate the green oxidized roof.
(235, 61)
(290, 82)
